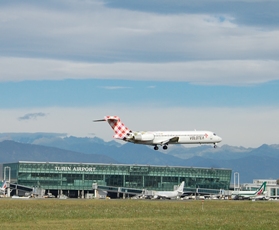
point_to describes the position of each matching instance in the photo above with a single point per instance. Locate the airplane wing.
(167, 141)
(160, 197)
(173, 140)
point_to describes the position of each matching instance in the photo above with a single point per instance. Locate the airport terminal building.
(76, 179)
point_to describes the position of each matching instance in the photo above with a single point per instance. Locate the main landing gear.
(164, 147)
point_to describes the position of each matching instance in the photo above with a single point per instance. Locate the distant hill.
(250, 163)
(11, 151)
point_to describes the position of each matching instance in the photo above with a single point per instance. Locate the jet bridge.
(203, 191)
(117, 192)
(20, 190)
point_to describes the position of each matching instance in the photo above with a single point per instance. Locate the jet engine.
(143, 136)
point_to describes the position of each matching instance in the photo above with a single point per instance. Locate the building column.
(124, 181)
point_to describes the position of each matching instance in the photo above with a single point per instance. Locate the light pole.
(236, 186)
(7, 168)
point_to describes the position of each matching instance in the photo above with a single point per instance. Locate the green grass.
(137, 214)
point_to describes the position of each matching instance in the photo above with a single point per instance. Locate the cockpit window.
(214, 134)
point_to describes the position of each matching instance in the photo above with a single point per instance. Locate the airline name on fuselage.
(76, 169)
(197, 138)
(191, 136)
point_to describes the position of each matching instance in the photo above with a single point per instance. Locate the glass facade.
(81, 176)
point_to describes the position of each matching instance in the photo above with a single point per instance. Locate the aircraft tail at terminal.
(258, 194)
(157, 138)
(3, 187)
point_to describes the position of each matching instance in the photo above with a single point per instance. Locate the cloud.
(114, 87)
(82, 31)
(88, 39)
(31, 116)
(214, 72)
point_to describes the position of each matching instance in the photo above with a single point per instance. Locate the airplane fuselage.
(174, 137)
(170, 194)
(248, 195)
(166, 194)
(162, 138)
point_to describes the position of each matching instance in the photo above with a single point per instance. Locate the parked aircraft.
(258, 194)
(3, 187)
(162, 138)
(169, 194)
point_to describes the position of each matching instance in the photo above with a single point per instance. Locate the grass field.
(137, 214)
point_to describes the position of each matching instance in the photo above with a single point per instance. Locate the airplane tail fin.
(181, 187)
(120, 130)
(4, 185)
(261, 190)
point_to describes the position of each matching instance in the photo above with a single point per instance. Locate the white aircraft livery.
(258, 194)
(170, 194)
(162, 138)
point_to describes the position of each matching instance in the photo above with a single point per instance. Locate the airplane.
(3, 187)
(162, 138)
(169, 194)
(258, 194)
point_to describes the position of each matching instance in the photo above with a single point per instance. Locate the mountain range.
(250, 163)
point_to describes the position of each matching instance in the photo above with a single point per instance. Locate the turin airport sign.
(75, 169)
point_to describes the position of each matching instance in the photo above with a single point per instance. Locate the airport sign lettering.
(76, 169)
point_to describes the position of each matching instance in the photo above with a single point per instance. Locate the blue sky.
(159, 65)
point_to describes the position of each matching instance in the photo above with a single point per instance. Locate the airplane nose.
(219, 139)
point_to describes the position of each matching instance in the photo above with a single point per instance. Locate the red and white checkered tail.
(121, 131)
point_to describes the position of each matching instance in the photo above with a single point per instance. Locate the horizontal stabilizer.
(99, 120)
